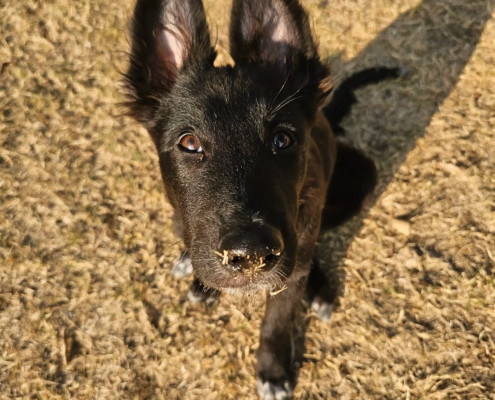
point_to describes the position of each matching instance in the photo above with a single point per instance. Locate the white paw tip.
(210, 300)
(271, 391)
(323, 310)
(182, 267)
(402, 71)
(193, 297)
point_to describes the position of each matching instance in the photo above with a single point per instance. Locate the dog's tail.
(343, 97)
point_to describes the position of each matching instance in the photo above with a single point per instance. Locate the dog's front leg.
(274, 371)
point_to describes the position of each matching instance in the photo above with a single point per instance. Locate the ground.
(89, 308)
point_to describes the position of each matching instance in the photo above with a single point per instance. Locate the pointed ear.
(167, 36)
(278, 32)
(270, 30)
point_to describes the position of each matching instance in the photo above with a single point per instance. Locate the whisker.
(285, 103)
(169, 247)
(280, 91)
(287, 100)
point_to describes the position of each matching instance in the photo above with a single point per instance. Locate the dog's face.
(232, 141)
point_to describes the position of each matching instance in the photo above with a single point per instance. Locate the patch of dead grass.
(88, 306)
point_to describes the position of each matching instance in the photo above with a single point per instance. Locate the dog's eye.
(281, 140)
(190, 144)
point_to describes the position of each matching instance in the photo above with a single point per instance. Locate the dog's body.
(248, 157)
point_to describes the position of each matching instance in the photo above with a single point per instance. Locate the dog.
(249, 156)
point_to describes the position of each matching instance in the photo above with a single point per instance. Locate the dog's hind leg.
(353, 179)
(182, 265)
(320, 293)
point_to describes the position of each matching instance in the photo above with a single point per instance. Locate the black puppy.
(247, 155)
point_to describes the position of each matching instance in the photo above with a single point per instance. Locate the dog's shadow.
(434, 41)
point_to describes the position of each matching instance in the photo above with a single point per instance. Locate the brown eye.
(190, 144)
(281, 140)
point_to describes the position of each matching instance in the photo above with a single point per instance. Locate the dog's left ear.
(277, 32)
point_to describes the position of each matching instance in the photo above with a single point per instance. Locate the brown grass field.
(89, 308)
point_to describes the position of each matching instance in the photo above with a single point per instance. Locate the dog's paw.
(268, 390)
(182, 266)
(200, 294)
(201, 297)
(322, 308)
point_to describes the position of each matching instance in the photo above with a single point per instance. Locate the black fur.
(249, 213)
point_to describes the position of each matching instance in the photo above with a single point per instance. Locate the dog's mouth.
(243, 277)
(248, 266)
(253, 281)
(242, 286)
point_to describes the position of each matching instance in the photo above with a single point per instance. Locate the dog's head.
(232, 141)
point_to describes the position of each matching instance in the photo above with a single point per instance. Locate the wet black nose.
(256, 247)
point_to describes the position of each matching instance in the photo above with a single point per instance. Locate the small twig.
(273, 294)
(261, 264)
(225, 256)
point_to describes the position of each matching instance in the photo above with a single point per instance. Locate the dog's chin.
(251, 290)
(242, 286)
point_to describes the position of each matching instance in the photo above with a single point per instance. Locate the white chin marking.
(182, 267)
(323, 310)
(271, 391)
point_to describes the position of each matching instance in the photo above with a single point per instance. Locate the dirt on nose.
(248, 266)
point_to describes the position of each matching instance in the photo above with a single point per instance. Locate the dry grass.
(88, 306)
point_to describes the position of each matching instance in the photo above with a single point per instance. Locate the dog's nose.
(253, 248)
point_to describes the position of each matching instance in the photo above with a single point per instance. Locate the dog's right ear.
(168, 36)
